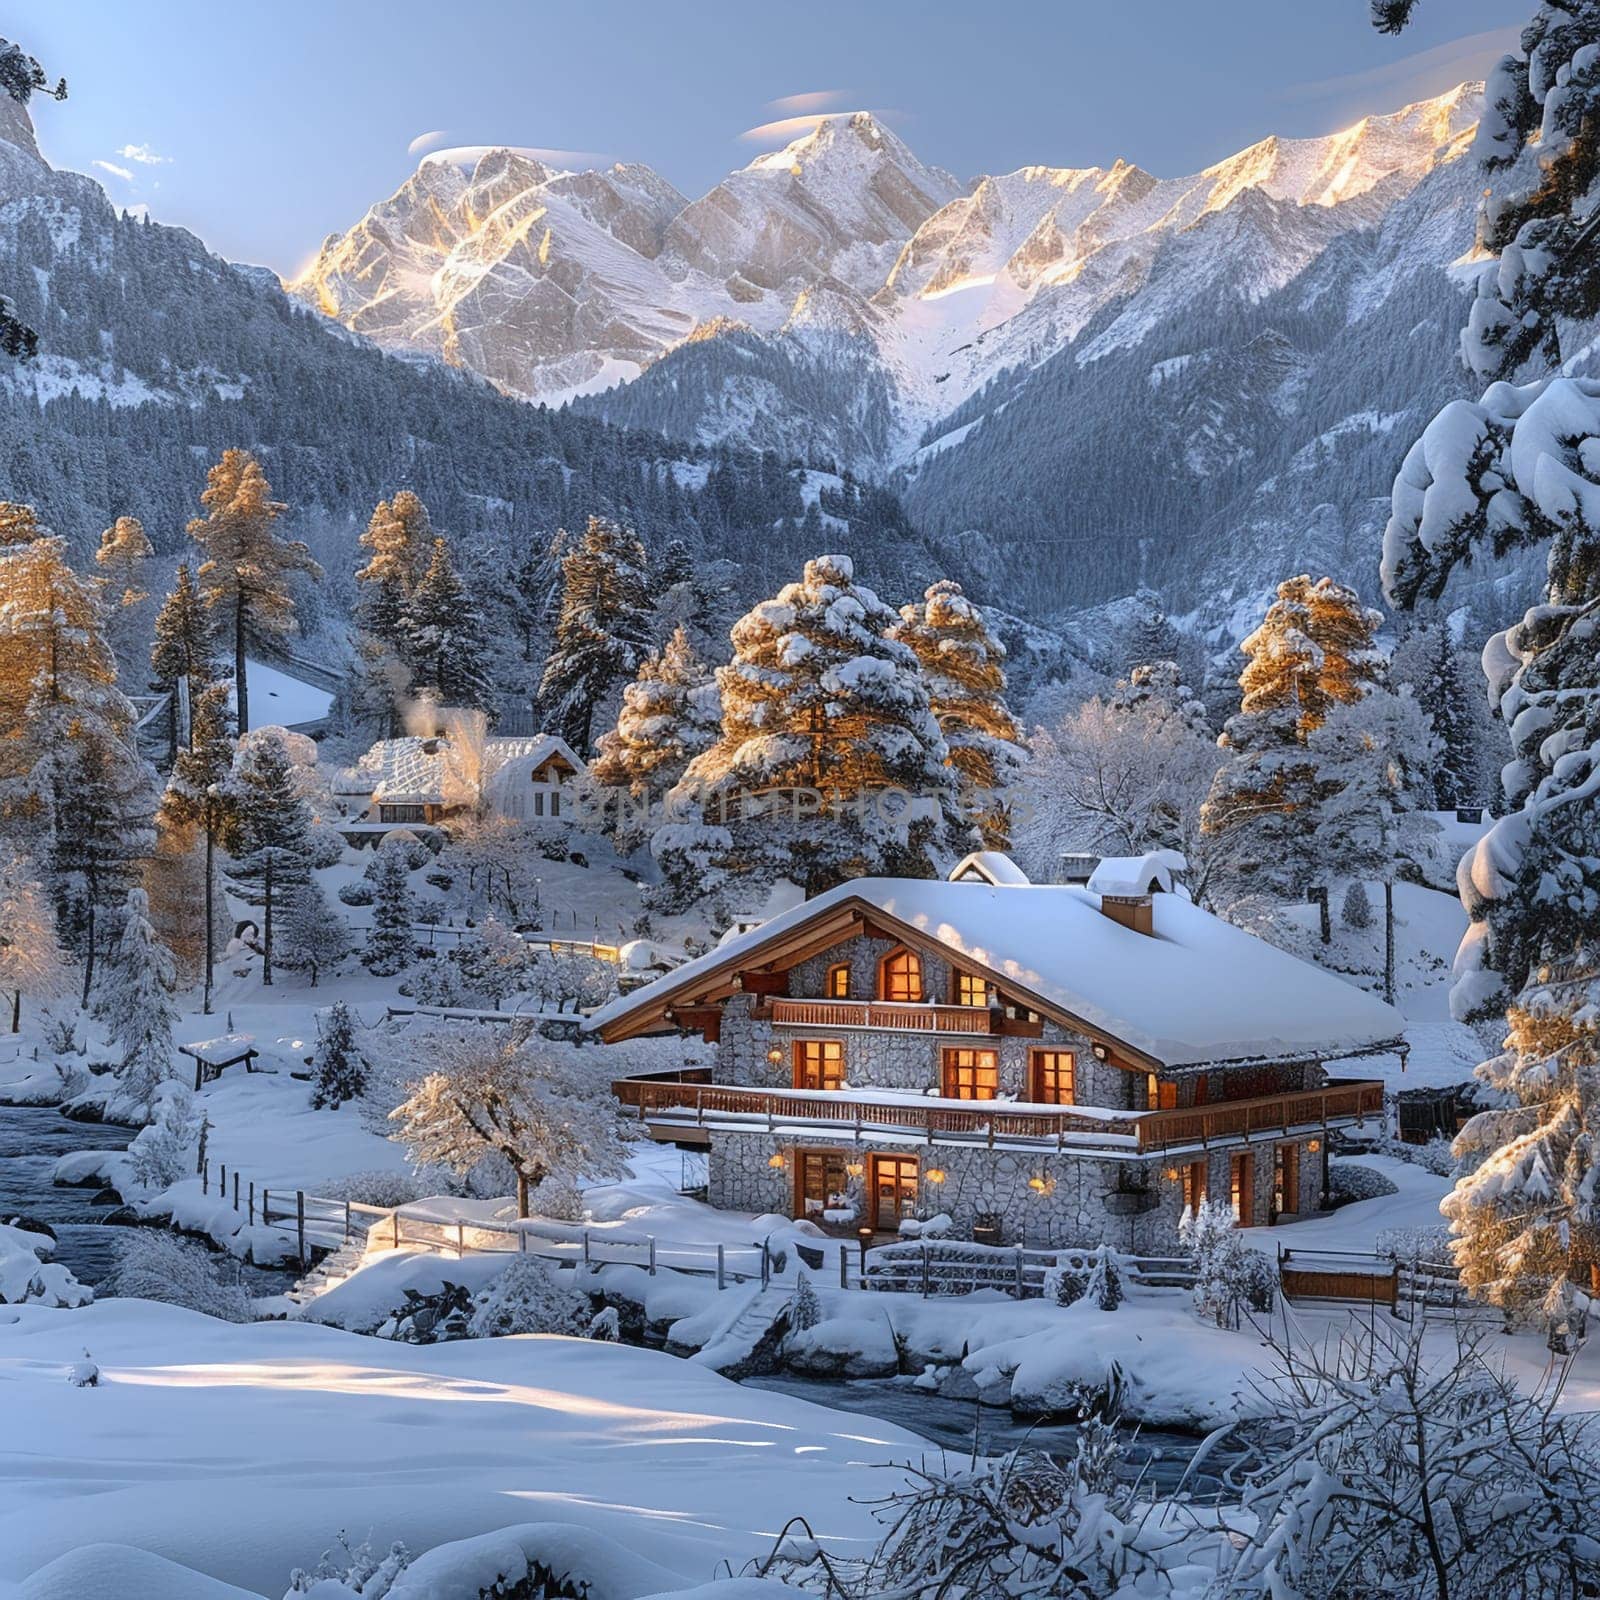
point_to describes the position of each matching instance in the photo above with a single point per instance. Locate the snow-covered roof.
(418, 771)
(988, 866)
(1195, 990)
(1153, 870)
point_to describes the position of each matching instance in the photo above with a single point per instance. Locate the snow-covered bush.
(155, 1265)
(1018, 1525)
(60, 1033)
(430, 1318)
(557, 1198)
(1356, 911)
(338, 1070)
(493, 962)
(530, 1297)
(1103, 1287)
(606, 1325)
(356, 893)
(327, 845)
(381, 1188)
(411, 849)
(1412, 1245)
(1229, 1275)
(163, 1152)
(1064, 1283)
(434, 981)
(362, 1573)
(805, 1310)
(1349, 1180)
(1380, 1471)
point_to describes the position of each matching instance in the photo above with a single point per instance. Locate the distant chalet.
(1055, 1065)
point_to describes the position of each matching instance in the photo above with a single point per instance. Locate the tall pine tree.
(138, 1006)
(245, 575)
(603, 630)
(1314, 650)
(182, 658)
(271, 860)
(963, 665)
(124, 561)
(447, 639)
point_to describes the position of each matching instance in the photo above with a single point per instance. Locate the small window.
(900, 975)
(402, 813)
(538, 805)
(824, 1184)
(818, 1064)
(1194, 1186)
(971, 1074)
(1285, 1180)
(1052, 1077)
(1241, 1187)
(1159, 1096)
(973, 991)
(838, 985)
(555, 805)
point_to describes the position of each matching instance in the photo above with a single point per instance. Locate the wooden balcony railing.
(911, 1016)
(990, 1122)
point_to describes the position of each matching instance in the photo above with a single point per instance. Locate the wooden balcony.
(902, 1016)
(674, 1107)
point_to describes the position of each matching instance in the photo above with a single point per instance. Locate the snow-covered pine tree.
(1357, 910)
(963, 666)
(182, 656)
(19, 524)
(446, 639)
(123, 558)
(1314, 650)
(400, 536)
(389, 945)
(670, 714)
(603, 629)
(270, 826)
(1149, 634)
(71, 783)
(830, 765)
(685, 597)
(199, 797)
(1521, 468)
(1156, 689)
(315, 938)
(338, 1071)
(246, 573)
(140, 1016)
(32, 961)
(1376, 759)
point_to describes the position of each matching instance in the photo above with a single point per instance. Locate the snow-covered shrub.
(156, 1265)
(1412, 1245)
(356, 893)
(1017, 1525)
(1064, 1283)
(163, 1152)
(805, 1310)
(1356, 911)
(1348, 1180)
(1104, 1285)
(338, 1070)
(60, 1033)
(1228, 1273)
(430, 1318)
(412, 851)
(606, 1325)
(361, 1572)
(381, 1188)
(1380, 1470)
(434, 981)
(530, 1297)
(84, 1374)
(557, 1198)
(326, 845)
(493, 962)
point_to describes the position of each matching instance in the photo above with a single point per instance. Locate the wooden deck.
(673, 1108)
(894, 1014)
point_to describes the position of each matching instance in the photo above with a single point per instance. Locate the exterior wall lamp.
(778, 1161)
(934, 1174)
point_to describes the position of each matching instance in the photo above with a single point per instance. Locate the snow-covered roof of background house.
(1154, 870)
(417, 771)
(1195, 990)
(988, 866)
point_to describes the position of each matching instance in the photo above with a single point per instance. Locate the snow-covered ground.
(243, 1450)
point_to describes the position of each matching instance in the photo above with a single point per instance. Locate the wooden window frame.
(832, 988)
(1242, 1188)
(801, 1159)
(821, 1046)
(1285, 1180)
(962, 985)
(1036, 1070)
(872, 1186)
(1195, 1180)
(887, 960)
(950, 1070)
(1159, 1095)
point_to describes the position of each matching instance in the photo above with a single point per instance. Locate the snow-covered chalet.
(422, 781)
(1053, 1065)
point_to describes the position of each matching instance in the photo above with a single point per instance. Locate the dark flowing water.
(1160, 1456)
(31, 1138)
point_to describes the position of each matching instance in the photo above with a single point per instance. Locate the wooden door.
(894, 1190)
(1242, 1189)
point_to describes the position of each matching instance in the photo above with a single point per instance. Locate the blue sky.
(263, 127)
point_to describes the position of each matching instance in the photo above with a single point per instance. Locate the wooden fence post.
(235, 1188)
(766, 1265)
(205, 1177)
(461, 1240)
(924, 1269)
(652, 1255)
(347, 1222)
(266, 1208)
(586, 1260)
(844, 1266)
(222, 1188)
(721, 1279)
(1020, 1279)
(300, 1222)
